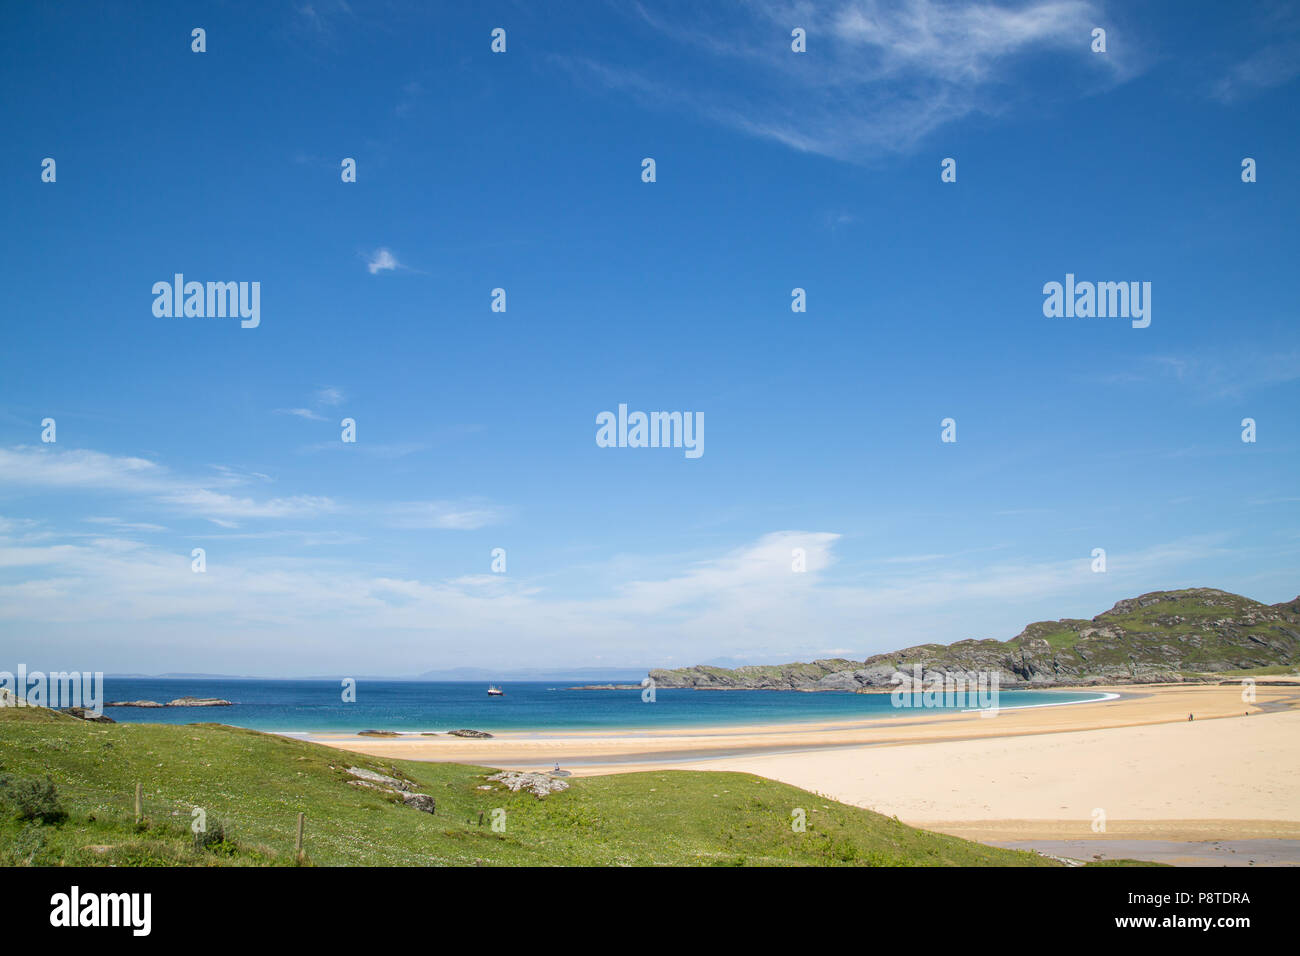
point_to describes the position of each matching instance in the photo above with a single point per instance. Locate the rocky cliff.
(1157, 637)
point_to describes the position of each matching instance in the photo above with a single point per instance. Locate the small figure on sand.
(1189, 716)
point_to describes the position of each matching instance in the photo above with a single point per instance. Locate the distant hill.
(536, 674)
(452, 674)
(1157, 637)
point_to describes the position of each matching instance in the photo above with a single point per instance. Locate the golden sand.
(1135, 763)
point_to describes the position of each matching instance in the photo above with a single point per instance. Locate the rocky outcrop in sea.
(178, 702)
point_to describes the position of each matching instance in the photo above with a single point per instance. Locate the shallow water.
(316, 705)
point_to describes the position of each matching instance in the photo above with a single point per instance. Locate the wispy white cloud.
(412, 93)
(451, 515)
(309, 17)
(746, 602)
(219, 499)
(327, 397)
(301, 413)
(54, 471)
(369, 449)
(877, 77)
(47, 468)
(238, 476)
(1274, 65)
(1228, 373)
(382, 260)
(215, 505)
(125, 525)
(320, 19)
(1275, 60)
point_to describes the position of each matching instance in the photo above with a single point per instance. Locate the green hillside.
(255, 784)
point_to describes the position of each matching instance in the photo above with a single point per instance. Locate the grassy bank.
(255, 784)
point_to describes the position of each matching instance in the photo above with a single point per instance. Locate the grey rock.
(840, 680)
(420, 801)
(199, 702)
(82, 714)
(178, 702)
(402, 789)
(134, 703)
(370, 786)
(378, 778)
(539, 784)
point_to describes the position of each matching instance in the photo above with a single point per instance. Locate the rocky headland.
(1160, 637)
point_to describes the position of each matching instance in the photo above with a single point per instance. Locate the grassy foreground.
(255, 784)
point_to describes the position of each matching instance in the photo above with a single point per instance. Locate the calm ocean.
(316, 705)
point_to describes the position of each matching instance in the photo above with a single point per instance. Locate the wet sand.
(1192, 853)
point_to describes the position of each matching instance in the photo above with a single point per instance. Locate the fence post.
(298, 842)
(139, 803)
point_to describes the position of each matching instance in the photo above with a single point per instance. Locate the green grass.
(1125, 863)
(1061, 640)
(255, 785)
(1278, 671)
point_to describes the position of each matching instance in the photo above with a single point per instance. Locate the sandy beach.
(1034, 774)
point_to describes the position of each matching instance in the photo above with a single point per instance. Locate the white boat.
(495, 691)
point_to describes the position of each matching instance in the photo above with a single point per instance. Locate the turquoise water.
(298, 705)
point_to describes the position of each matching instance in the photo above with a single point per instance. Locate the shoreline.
(899, 727)
(638, 730)
(1058, 703)
(634, 730)
(1034, 773)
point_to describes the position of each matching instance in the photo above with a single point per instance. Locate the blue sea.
(413, 706)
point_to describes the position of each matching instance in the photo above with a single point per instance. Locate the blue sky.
(476, 430)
